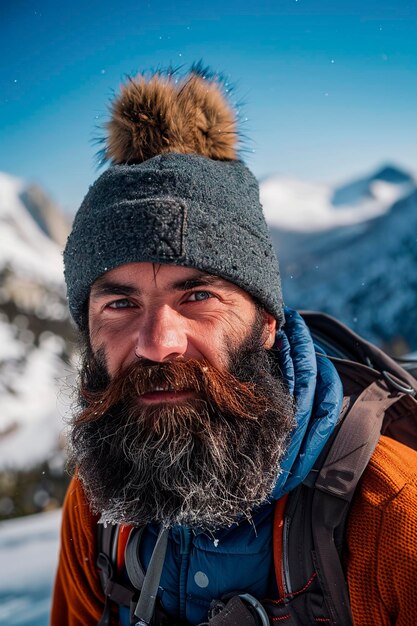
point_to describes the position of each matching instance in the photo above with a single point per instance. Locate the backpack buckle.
(398, 384)
(233, 604)
(257, 606)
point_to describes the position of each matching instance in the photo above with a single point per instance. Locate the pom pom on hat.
(164, 113)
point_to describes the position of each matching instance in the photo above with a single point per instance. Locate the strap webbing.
(106, 536)
(132, 558)
(146, 603)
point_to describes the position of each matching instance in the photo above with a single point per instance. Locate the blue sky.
(329, 86)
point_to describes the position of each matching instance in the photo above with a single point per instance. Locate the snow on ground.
(28, 556)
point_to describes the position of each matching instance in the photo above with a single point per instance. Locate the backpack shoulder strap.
(316, 512)
(335, 486)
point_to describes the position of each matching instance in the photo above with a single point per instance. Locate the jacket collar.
(318, 393)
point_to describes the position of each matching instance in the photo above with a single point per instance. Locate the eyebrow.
(107, 287)
(199, 280)
(113, 288)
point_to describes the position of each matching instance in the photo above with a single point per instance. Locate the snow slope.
(370, 283)
(28, 555)
(357, 262)
(35, 332)
(31, 402)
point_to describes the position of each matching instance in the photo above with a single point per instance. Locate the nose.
(161, 336)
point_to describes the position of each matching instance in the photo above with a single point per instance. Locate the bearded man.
(201, 403)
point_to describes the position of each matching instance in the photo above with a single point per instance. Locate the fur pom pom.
(163, 113)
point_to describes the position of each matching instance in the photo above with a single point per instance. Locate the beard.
(205, 462)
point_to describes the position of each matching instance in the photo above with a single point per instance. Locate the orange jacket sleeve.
(382, 539)
(78, 599)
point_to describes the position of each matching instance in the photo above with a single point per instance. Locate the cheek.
(213, 351)
(213, 344)
(117, 357)
(117, 342)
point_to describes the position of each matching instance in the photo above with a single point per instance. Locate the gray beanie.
(179, 207)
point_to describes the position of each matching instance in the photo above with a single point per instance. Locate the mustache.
(216, 387)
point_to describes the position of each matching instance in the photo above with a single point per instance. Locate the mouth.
(165, 394)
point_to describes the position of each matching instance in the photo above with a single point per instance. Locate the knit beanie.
(175, 193)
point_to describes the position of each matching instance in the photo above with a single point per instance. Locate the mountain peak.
(28, 225)
(391, 174)
(387, 184)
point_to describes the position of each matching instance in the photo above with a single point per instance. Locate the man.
(200, 405)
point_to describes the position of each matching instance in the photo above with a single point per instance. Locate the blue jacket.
(200, 567)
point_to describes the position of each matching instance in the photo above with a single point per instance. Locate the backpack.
(309, 523)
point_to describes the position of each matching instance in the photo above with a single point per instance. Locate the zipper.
(185, 551)
(285, 563)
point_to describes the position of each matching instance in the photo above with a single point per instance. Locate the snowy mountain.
(351, 251)
(35, 333)
(304, 207)
(27, 247)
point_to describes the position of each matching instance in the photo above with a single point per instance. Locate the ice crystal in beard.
(204, 462)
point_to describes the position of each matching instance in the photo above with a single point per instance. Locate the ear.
(270, 327)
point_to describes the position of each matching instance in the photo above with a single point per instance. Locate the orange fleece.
(381, 550)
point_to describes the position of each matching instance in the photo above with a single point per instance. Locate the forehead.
(150, 276)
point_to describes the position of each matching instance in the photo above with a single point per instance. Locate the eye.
(124, 303)
(199, 296)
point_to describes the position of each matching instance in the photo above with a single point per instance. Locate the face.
(184, 418)
(162, 313)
